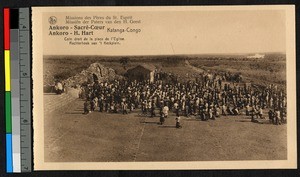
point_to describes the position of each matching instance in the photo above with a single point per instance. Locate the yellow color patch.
(7, 69)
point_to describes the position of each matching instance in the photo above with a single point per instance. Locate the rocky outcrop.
(87, 76)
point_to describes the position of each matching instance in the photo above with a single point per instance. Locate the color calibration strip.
(8, 117)
(17, 90)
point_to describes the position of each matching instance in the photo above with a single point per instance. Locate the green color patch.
(8, 112)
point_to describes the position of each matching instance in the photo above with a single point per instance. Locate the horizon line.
(248, 53)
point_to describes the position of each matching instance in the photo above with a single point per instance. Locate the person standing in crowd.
(217, 111)
(271, 116)
(112, 107)
(277, 117)
(200, 98)
(100, 104)
(144, 107)
(260, 112)
(166, 111)
(224, 110)
(176, 107)
(210, 113)
(131, 107)
(59, 88)
(124, 107)
(247, 110)
(283, 120)
(178, 125)
(162, 119)
(253, 111)
(152, 109)
(95, 103)
(86, 107)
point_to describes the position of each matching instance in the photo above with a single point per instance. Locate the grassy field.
(270, 70)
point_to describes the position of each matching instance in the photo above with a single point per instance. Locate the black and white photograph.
(164, 88)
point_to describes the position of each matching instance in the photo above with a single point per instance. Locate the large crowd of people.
(207, 97)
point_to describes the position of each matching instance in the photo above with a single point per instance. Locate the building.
(256, 56)
(141, 72)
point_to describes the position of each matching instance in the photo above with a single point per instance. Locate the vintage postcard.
(140, 88)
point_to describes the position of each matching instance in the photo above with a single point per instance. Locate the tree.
(124, 61)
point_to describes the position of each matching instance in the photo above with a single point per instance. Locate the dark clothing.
(162, 120)
(86, 108)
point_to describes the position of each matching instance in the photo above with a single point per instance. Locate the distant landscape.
(262, 71)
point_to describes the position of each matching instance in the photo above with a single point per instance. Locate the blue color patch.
(9, 162)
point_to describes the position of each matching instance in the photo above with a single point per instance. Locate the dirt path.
(198, 70)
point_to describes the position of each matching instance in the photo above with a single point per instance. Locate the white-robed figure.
(165, 111)
(59, 88)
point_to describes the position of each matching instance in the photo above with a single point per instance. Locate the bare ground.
(71, 136)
